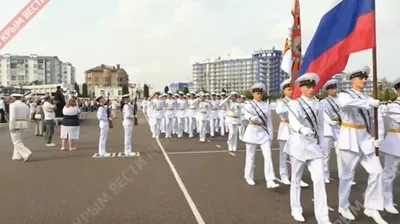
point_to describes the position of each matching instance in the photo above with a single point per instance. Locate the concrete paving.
(183, 181)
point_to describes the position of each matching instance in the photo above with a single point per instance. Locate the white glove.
(306, 131)
(374, 102)
(377, 143)
(333, 123)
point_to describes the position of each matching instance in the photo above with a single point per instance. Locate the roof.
(100, 69)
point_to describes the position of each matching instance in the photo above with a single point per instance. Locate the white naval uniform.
(222, 116)
(243, 121)
(232, 120)
(284, 133)
(170, 109)
(18, 123)
(127, 123)
(356, 146)
(391, 151)
(214, 124)
(191, 115)
(331, 132)
(104, 127)
(203, 114)
(257, 134)
(181, 106)
(305, 150)
(158, 107)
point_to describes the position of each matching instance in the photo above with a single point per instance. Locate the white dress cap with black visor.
(360, 73)
(308, 79)
(258, 88)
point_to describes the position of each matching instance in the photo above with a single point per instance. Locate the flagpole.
(375, 83)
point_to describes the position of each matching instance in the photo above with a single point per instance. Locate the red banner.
(296, 40)
(20, 20)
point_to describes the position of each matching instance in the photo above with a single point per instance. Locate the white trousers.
(20, 150)
(283, 168)
(192, 125)
(233, 137)
(371, 163)
(128, 129)
(389, 174)
(202, 129)
(316, 168)
(242, 128)
(329, 144)
(222, 125)
(213, 126)
(250, 159)
(168, 126)
(180, 126)
(157, 122)
(103, 137)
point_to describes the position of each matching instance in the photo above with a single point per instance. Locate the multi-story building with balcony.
(68, 74)
(33, 69)
(105, 76)
(240, 74)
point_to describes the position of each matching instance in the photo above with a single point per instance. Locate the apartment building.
(104, 76)
(32, 69)
(68, 74)
(240, 74)
(175, 86)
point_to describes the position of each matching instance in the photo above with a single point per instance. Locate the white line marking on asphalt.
(178, 179)
(218, 146)
(121, 154)
(196, 152)
(329, 208)
(208, 141)
(232, 154)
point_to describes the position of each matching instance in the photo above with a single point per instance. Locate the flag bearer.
(305, 148)
(232, 119)
(332, 122)
(284, 131)
(357, 146)
(259, 132)
(127, 123)
(391, 151)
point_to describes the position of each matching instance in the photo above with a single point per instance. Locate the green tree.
(84, 90)
(146, 93)
(125, 89)
(166, 89)
(76, 88)
(247, 94)
(186, 90)
(138, 93)
(203, 90)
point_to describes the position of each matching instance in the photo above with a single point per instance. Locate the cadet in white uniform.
(232, 119)
(170, 108)
(104, 119)
(357, 145)
(158, 107)
(191, 114)
(391, 151)
(259, 132)
(203, 113)
(305, 148)
(214, 125)
(332, 122)
(284, 130)
(222, 116)
(181, 114)
(127, 123)
(18, 123)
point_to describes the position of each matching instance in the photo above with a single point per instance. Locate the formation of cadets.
(308, 133)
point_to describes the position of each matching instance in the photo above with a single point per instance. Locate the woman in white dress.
(70, 125)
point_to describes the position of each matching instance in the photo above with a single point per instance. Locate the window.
(40, 60)
(13, 78)
(119, 92)
(40, 66)
(102, 92)
(13, 65)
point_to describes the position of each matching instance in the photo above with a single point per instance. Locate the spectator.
(70, 125)
(32, 107)
(39, 117)
(2, 111)
(49, 117)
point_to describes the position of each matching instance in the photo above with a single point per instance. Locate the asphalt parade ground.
(173, 181)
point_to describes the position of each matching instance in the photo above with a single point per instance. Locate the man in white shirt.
(49, 117)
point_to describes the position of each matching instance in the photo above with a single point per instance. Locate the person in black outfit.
(59, 101)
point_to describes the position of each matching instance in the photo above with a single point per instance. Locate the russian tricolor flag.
(347, 28)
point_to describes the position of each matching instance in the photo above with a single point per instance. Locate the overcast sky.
(158, 40)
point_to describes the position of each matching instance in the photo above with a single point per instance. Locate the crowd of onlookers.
(47, 112)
